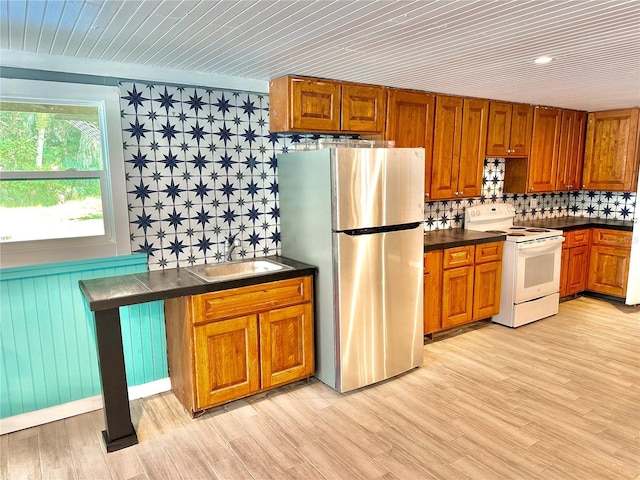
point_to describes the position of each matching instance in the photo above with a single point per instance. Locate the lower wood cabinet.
(232, 343)
(433, 291)
(609, 262)
(461, 285)
(457, 296)
(596, 260)
(574, 267)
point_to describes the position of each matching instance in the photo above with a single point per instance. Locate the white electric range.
(530, 264)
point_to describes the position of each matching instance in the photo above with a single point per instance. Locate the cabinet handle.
(583, 185)
(461, 193)
(531, 189)
(426, 195)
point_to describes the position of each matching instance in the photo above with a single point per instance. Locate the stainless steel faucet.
(232, 244)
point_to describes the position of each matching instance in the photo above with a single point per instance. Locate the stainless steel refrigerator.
(357, 214)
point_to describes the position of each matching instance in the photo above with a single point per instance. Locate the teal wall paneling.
(47, 346)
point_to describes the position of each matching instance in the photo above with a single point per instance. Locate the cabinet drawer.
(253, 299)
(613, 238)
(489, 252)
(458, 256)
(577, 238)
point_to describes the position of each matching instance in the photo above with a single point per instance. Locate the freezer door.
(375, 187)
(379, 314)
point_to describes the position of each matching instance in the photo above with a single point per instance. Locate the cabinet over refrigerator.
(357, 214)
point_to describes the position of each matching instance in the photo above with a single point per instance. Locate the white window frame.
(115, 241)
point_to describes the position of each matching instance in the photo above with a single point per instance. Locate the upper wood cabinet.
(509, 129)
(571, 152)
(363, 108)
(487, 280)
(543, 161)
(611, 151)
(458, 147)
(410, 119)
(303, 104)
(474, 137)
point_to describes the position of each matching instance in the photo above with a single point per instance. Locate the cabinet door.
(363, 108)
(446, 147)
(564, 272)
(571, 151)
(410, 118)
(521, 130)
(577, 269)
(286, 345)
(315, 105)
(499, 129)
(608, 270)
(457, 296)
(472, 148)
(486, 290)
(611, 151)
(432, 291)
(226, 360)
(543, 162)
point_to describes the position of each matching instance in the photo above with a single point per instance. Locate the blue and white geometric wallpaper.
(201, 166)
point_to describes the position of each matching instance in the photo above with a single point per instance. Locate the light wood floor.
(557, 399)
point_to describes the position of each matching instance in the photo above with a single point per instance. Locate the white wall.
(128, 71)
(633, 285)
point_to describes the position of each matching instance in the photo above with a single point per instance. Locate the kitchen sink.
(230, 270)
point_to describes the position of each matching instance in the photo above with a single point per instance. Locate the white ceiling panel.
(480, 48)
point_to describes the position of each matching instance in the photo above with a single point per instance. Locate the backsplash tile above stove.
(610, 205)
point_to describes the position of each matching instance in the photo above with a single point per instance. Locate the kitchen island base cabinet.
(233, 343)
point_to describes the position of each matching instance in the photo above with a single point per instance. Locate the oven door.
(537, 268)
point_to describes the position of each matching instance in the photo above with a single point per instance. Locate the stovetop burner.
(498, 219)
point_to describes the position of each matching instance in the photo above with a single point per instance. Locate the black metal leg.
(119, 431)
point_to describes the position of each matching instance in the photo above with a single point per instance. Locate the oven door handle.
(545, 247)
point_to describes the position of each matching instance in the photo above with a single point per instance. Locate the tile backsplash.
(592, 204)
(201, 166)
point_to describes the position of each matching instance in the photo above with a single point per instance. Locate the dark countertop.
(457, 237)
(117, 291)
(575, 223)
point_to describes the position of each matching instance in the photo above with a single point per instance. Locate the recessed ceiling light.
(542, 60)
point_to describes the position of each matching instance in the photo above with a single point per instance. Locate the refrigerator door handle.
(385, 229)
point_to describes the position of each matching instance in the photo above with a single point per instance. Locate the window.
(61, 173)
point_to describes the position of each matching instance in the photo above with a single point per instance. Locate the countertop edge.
(577, 223)
(193, 285)
(457, 237)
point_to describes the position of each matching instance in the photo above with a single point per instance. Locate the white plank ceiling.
(481, 48)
